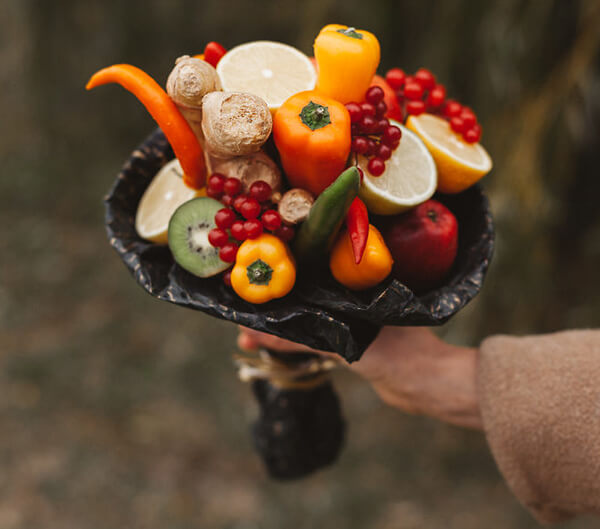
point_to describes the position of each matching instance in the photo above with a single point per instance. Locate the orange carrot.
(164, 111)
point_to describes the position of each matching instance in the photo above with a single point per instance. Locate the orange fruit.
(459, 164)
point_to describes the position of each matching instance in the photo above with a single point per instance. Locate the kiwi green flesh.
(188, 237)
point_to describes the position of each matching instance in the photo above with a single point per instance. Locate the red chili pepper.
(213, 53)
(164, 111)
(357, 221)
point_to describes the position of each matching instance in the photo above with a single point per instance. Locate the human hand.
(410, 368)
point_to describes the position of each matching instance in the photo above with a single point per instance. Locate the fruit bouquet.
(305, 197)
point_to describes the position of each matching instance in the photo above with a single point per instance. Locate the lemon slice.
(163, 196)
(270, 70)
(459, 164)
(410, 177)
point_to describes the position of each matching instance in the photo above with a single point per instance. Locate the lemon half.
(459, 164)
(410, 177)
(163, 196)
(270, 70)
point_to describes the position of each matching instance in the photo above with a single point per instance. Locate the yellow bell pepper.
(264, 269)
(347, 59)
(374, 267)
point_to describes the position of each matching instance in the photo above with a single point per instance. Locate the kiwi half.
(188, 237)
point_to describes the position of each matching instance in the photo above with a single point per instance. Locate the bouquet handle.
(300, 428)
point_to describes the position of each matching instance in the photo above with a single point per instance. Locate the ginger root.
(189, 81)
(295, 205)
(250, 168)
(234, 124)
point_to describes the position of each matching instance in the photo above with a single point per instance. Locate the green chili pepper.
(317, 233)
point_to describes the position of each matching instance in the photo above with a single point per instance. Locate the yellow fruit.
(270, 70)
(459, 164)
(163, 196)
(409, 179)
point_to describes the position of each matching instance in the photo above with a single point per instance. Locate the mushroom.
(234, 124)
(295, 205)
(249, 169)
(189, 81)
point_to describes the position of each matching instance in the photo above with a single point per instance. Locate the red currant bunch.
(372, 134)
(420, 93)
(245, 216)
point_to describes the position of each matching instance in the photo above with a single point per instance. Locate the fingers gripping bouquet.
(294, 195)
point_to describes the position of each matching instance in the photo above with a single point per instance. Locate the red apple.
(423, 243)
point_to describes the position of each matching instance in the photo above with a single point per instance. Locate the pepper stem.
(351, 32)
(259, 273)
(315, 116)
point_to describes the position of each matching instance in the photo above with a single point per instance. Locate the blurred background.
(117, 410)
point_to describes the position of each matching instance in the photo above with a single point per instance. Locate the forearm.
(412, 369)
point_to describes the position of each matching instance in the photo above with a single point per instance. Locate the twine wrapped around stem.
(306, 374)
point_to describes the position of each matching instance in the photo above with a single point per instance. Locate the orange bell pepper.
(389, 97)
(347, 59)
(165, 112)
(375, 266)
(312, 135)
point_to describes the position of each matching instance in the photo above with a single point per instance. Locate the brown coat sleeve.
(540, 404)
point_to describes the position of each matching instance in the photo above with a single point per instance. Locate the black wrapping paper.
(319, 312)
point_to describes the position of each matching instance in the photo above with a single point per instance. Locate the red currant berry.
(413, 91)
(254, 228)
(285, 233)
(395, 78)
(374, 95)
(473, 135)
(224, 218)
(368, 124)
(452, 108)
(376, 166)
(260, 190)
(425, 78)
(216, 182)
(457, 125)
(238, 201)
(355, 129)
(371, 147)
(250, 208)
(468, 117)
(218, 237)
(228, 252)
(360, 145)
(237, 230)
(226, 200)
(415, 107)
(232, 186)
(380, 109)
(213, 194)
(271, 219)
(227, 278)
(436, 96)
(391, 135)
(381, 125)
(355, 112)
(368, 109)
(384, 152)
